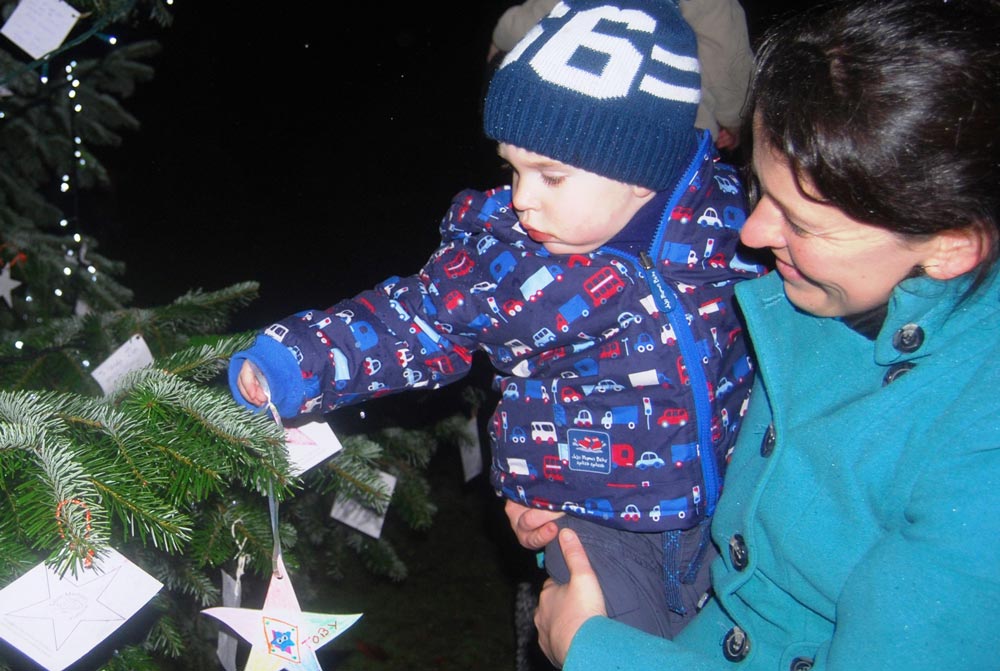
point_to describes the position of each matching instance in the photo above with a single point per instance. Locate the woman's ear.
(957, 251)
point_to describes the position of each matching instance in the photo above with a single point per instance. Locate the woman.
(860, 525)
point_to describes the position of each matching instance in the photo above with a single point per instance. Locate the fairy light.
(19, 344)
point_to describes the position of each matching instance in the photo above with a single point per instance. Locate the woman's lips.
(786, 270)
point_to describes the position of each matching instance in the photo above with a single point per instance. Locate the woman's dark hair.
(889, 109)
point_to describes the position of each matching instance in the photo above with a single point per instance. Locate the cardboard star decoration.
(281, 635)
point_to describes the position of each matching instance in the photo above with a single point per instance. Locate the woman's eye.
(796, 229)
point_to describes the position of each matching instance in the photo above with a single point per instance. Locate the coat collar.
(938, 309)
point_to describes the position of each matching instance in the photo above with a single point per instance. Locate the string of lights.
(77, 265)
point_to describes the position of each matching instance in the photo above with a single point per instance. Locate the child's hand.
(250, 386)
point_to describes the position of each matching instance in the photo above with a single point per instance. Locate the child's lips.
(537, 236)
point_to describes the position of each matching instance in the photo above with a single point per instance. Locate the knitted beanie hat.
(608, 86)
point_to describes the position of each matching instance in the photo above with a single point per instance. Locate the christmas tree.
(160, 465)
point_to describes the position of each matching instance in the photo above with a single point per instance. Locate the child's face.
(568, 210)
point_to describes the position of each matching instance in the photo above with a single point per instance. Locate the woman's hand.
(534, 528)
(562, 609)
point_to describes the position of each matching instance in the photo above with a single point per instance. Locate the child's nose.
(522, 198)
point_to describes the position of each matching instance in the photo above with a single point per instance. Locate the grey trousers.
(652, 581)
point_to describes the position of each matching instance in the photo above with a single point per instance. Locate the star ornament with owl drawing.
(281, 636)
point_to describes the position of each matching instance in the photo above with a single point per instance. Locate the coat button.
(738, 552)
(767, 444)
(801, 664)
(736, 645)
(896, 371)
(908, 338)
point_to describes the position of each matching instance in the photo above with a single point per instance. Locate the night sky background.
(312, 147)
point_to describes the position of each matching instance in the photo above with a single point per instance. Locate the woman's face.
(831, 265)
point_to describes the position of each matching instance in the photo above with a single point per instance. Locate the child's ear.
(956, 252)
(641, 191)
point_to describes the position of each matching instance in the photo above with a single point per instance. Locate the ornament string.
(241, 558)
(89, 559)
(272, 502)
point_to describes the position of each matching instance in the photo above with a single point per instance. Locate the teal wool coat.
(860, 520)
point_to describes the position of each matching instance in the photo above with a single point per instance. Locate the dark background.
(312, 149)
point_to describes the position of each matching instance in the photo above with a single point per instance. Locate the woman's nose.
(763, 228)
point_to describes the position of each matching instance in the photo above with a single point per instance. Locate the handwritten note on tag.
(132, 355)
(364, 519)
(55, 621)
(308, 444)
(40, 26)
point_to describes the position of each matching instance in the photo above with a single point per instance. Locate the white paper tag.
(231, 598)
(471, 451)
(55, 621)
(132, 355)
(40, 26)
(310, 443)
(364, 519)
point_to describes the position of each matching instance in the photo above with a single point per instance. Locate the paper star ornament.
(7, 285)
(281, 636)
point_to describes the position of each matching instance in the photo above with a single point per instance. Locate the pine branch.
(378, 556)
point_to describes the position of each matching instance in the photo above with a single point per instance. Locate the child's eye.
(552, 180)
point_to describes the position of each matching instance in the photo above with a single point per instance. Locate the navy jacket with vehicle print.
(623, 372)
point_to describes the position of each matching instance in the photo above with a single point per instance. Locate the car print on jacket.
(605, 360)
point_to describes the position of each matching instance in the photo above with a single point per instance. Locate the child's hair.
(611, 87)
(889, 109)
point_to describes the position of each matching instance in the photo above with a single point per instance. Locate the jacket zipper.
(668, 304)
(662, 294)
